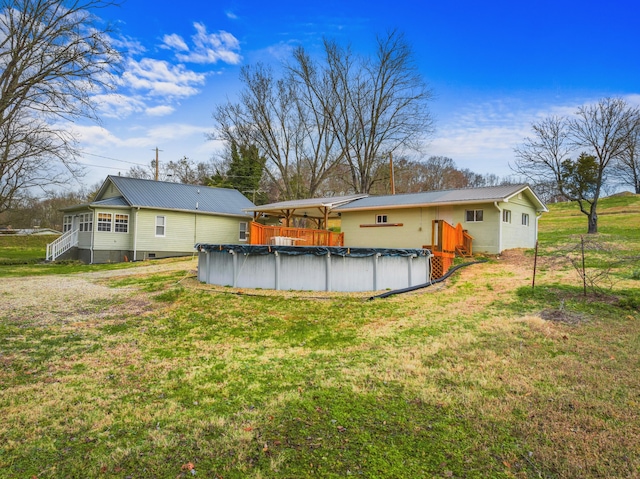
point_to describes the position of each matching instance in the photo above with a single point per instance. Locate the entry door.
(445, 213)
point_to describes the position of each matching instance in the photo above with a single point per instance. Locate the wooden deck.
(287, 236)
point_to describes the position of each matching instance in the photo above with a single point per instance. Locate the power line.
(115, 159)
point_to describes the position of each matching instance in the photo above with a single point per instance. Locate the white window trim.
(475, 216)
(382, 219)
(104, 222)
(164, 226)
(525, 219)
(245, 231)
(506, 216)
(115, 223)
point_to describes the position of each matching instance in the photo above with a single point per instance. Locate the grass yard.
(145, 372)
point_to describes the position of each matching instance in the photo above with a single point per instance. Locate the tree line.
(315, 125)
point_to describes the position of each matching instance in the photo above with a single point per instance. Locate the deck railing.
(62, 244)
(446, 238)
(282, 235)
(446, 241)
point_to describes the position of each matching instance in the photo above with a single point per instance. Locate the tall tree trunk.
(593, 219)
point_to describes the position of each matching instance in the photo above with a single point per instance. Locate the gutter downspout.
(495, 203)
(94, 222)
(135, 236)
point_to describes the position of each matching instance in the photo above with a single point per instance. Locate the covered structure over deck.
(318, 210)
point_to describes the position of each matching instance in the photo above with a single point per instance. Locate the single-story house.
(134, 219)
(497, 217)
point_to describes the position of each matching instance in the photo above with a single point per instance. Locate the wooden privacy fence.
(282, 235)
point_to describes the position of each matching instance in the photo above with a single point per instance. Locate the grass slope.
(166, 377)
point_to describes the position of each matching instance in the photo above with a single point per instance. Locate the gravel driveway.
(76, 297)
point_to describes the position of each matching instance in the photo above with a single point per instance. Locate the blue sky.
(494, 68)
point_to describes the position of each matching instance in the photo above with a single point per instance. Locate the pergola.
(319, 209)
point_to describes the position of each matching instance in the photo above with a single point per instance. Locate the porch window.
(121, 224)
(506, 216)
(474, 215)
(86, 222)
(381, 219)
(525, 219)
(104, 221)
(160, 225)
(67, 222)
(243, 236)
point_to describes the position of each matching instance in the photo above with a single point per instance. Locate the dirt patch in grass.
(563, 316)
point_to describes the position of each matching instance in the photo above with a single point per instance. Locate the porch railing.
(282, 235)
(62, 244)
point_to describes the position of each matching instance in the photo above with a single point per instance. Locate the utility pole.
(157, 163)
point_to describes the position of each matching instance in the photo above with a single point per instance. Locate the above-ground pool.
(312, 268)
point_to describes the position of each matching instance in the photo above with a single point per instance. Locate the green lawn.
(173, 378)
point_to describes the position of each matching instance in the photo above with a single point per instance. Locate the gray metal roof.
(310, 205)
(461, 196)
(175, 196)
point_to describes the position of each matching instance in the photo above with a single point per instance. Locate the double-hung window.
(244, 233)
(161, 223)
(67, 223)
(381, 219)
(506, 216)
(104, 222)
(121, 223)
(525, 219)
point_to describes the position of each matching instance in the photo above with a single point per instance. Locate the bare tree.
(53, 58)
(325, 113)
(266, 116)
(182, 171)
(382, 105)
(627, 168)
(602, 129)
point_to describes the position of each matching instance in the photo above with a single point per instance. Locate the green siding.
(486, 232)
(183, 230)
(417, 223)
(110, 240)
(414, 232)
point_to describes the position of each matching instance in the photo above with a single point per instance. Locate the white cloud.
(92, 136)
(118, 106)
(128, 45)
(174, 42)
(160, 110)
(208, 48)
(482, 136)
(231, 15)
(159, 78)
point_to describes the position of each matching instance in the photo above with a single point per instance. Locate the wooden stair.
(462, 251)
